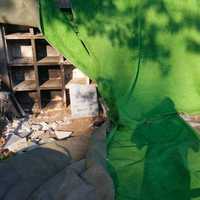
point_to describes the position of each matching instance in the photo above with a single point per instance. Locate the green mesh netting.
(144, 55)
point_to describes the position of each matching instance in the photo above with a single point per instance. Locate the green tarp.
(144, 56)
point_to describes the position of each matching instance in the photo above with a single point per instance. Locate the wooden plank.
(18, 36)
(38, 98)
(38, 36)
(81, 81)
(50, 60)
(26, 61)
(23, 36)
(52, 84)
(67, 63)
(26, 85)
(64, 96)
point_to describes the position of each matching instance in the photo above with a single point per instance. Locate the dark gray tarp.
(20, 12)
(59, 170)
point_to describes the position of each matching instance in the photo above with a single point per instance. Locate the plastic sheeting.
(144, 55)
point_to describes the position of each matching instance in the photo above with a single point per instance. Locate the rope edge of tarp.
(135, 79)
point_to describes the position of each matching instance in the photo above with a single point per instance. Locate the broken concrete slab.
(36, 127)
(45, 126)
(13, 139)
(36, 135)
(16, 144)
(24, 133)
(46, 141)
(62, 134)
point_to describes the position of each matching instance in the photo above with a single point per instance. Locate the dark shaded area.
(195, 193)
(193, 46)
(27, 172)
(107, 85)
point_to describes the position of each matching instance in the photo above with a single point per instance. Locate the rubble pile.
(24, 134)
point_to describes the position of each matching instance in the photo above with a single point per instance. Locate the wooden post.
(36, 70)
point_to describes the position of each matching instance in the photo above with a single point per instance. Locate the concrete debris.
(46, 141)
(82, 126)
(24, 134)
(36, 135)
(45, 126)
(17, 144)
(12, 139)
(15, 124)
(53, 125)
(36, 127)
(62, 134)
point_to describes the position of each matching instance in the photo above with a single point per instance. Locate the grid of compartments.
(39, 75)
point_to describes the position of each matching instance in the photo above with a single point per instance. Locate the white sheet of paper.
(83, 100)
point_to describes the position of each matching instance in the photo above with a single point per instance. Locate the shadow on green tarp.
(168, 139)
